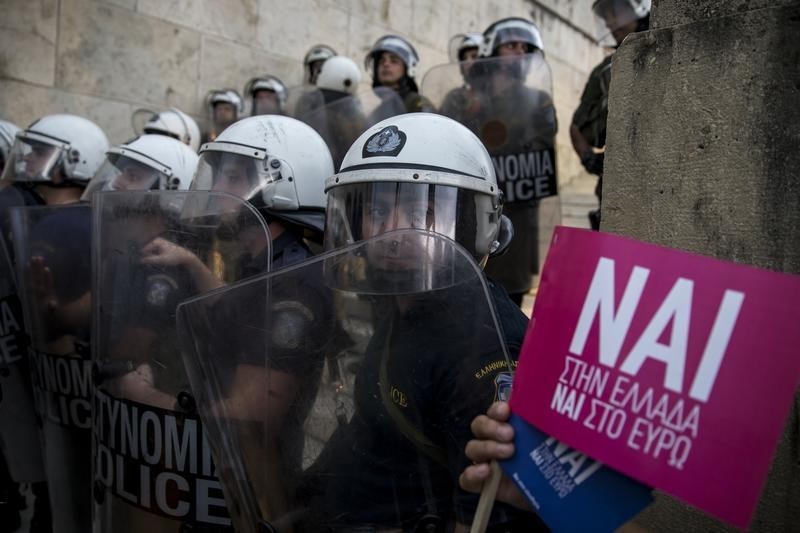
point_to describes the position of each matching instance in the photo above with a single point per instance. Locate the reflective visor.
(360, 211)
(33, 158)
(124, 173)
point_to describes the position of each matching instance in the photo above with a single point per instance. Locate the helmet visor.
(267, 182)
(360, 211)
(123, 173)
(33, 158)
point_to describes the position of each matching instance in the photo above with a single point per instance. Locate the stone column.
(703, 155)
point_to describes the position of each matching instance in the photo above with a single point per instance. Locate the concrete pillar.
(703, 156)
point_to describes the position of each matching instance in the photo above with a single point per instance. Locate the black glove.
(593, 162)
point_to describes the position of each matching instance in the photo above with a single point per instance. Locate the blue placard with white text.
(568, 490)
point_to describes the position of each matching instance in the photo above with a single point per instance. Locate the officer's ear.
(504, 236)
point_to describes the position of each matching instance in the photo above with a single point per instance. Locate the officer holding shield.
(518, 118)
(54, 272)
(396, 462)
(49, 163)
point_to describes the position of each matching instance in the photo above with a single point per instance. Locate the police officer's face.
(266, 103)
(314, 67)
(387, 210)
(391, 69)
(37, 157)
(134, 177)
(231, 177)
(468, 57)
(512, 48)
(224, 113)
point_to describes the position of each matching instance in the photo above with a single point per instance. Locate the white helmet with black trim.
(276, 162)
(270, 84)
(339, 74)
(511, 29)
(396, 45)
(149, 162)
(174, 123)
(57, 150)
(462, 42)
(422, 171)
(8, 131)
(225, 96)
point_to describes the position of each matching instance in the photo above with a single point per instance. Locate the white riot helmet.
(225, 96)
(339, 74)
(276, 162)
(396, 45)
(512, 29)
(317, 53)
(7, 133)
(270, 84)
(617, 18)
(173, 123)
(149, 162)
(462, 42)
(74, 145)
(421, 171)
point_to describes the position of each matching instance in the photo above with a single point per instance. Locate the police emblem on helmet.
(387, 142)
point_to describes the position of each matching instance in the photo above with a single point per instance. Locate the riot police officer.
(224, 106)
(337, 112)
(520, 117)
(267, 95)
(617, 18)
(393, 465)
(49, 163)
(278, 164)
(392, 62)
(314, 59)
(54, 271)
(461, 102)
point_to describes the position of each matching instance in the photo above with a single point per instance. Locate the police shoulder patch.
(387, 142)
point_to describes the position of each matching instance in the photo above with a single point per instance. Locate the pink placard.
(675, 369)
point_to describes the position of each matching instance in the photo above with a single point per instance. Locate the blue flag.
(568, 490)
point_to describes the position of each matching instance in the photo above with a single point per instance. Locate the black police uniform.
(396, 463)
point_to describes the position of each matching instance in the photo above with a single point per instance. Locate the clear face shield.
(33, 158)
(360, 211)
(615, 19)
(263, 180)
(127, 173)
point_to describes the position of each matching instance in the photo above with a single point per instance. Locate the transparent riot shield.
(152, 466)
(53, 246)
(19, 431)
(340, 118)
(338, 394)
(507, 102)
